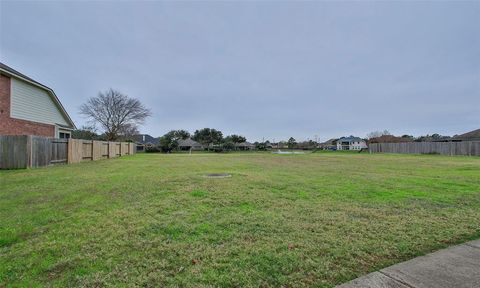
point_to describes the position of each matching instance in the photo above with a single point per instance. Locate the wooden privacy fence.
(470, 148)
(35, 151)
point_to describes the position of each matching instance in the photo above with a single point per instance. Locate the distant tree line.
(91, 133)
(387, 137)
(211, 139)
(118, 116)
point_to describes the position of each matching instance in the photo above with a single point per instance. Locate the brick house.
(30, 108)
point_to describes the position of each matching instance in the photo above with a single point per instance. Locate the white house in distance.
(351, 143)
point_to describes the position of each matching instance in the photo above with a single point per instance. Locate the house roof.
(14, 73)
(472, 135)
(148, 139)
(330, 141)
(188, 143)
(350, 139)
(245, 144)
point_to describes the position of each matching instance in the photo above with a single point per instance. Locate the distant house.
(279, 145)
(189, 144)
(330, 144)
(351, 143)
(28, 107)
(245, 146)
(469, 136)
(145, 139)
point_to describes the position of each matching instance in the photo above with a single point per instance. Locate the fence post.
(111, 149)
(93, 150)
(72, 152)
(29, 151)
(97, 150)
(69, 150)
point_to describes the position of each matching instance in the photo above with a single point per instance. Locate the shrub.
(261, 146)
(152, 149)
(168, 143)
(228, 146)
(218, 149)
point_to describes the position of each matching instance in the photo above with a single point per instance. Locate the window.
(63, 135)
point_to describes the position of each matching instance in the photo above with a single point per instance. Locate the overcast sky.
(260, 69)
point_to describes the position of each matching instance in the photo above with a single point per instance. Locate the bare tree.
(127, 132)
(115, 112)
(376, 134)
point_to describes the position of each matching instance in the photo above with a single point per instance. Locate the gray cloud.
(262, 69)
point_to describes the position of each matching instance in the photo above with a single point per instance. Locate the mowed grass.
(154, 220)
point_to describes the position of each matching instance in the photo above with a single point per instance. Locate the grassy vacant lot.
(294, 220)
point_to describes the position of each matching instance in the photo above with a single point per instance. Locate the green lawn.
(295, 220)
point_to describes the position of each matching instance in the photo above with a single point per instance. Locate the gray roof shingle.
(188, 143)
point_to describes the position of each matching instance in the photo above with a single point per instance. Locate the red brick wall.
(12, 126)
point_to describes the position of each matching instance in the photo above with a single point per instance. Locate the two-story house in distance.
(351, 143)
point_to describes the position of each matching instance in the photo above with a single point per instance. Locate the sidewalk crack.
(395, 279)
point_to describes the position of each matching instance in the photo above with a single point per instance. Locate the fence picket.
(468, 148)
(22, 151)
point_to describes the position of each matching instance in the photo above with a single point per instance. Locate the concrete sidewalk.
(457, 266)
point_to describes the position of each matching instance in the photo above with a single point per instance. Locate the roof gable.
(188, 143)
(14, 73)
(145, 139)
(472, 135)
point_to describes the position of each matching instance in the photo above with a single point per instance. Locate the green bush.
(218, 149)
(228, 146)
(152, 149)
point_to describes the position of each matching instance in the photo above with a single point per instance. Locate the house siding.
(12, 126)
(31, 103)
(353, 145)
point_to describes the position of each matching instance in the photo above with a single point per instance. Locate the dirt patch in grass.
(218, 175)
